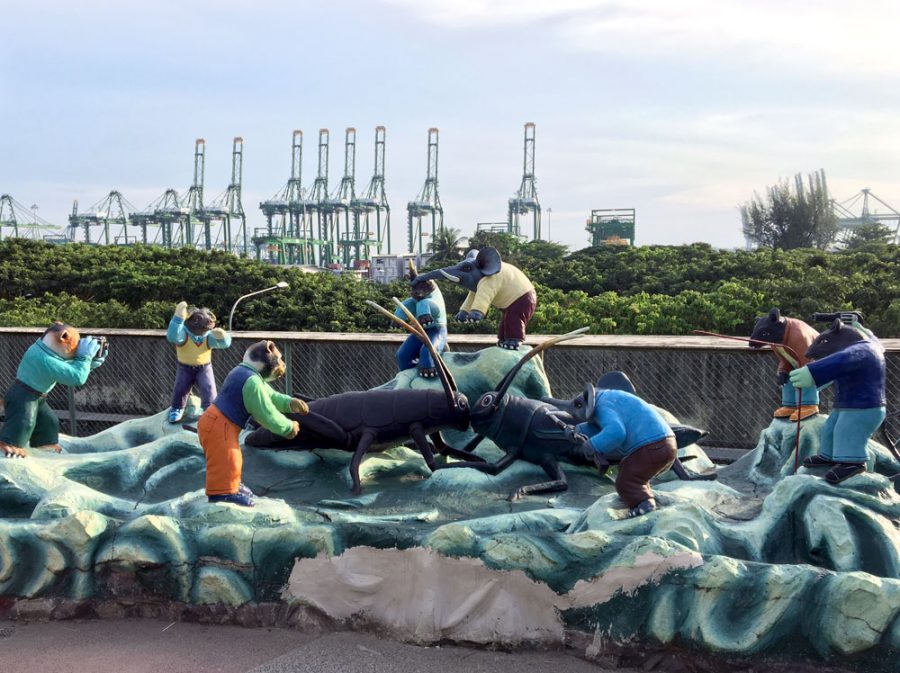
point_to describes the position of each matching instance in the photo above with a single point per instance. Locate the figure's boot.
(817, 461)
(243, 490)
(842, 471)
(784, 412)
(509, 344)
(644, 507)
(175, 415)
(233, 498)
(803, 412)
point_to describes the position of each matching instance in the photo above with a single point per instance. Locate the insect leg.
(364, 443)
(558, 482)
(487, 468)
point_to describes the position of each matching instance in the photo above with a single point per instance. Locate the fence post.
(73, 422)
(289, 372)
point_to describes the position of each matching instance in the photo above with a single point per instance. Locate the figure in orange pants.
(245, 394)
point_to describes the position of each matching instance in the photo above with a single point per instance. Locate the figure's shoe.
(803, 412)
(817, 461)
(784, 412)
(175, 415)
(234, 498)
(243, 490)
(428, 372)
(642, 508)
(842, 471)
(509, 344)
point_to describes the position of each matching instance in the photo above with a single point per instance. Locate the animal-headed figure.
(620, 428)
(61, 355)
(426, 303)
(194, 334)
(246, 394)
(789, 339)
(852, 357)
(492, 282)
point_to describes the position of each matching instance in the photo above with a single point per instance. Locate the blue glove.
(475, 316)
(88, 347)
(425, 319)
(802, 378)
(462, 316)
(96, 362)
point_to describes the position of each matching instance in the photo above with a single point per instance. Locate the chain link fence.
(724, 387)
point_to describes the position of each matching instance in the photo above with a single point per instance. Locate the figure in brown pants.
(621, 428)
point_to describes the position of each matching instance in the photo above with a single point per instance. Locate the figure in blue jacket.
(852, 357)
(426, 303)
(623, 429)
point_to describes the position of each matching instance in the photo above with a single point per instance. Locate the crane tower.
(526, 199)
(373, 205)
(285, 237)
(427, 203)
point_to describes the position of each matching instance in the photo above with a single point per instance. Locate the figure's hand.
(462, 316)
(802, 378)
(783, 377)
(428, 372)
(218, 333)
(475, 316)
(574, 436)
(295, 430)
(587, 449)
(96, 362)
(88, 347)
(298, 406)
(181, 310)
(425, 319)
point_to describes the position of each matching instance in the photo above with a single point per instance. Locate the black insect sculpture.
(539, 433)
(374, 420)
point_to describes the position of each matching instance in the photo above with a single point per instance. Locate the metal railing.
(723, 386)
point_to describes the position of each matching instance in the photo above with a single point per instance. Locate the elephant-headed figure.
(492, 282)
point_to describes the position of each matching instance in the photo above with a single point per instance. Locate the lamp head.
(281, 284)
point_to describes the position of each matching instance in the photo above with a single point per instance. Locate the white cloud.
(826, 36)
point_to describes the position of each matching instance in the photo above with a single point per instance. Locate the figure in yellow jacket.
(194, 334)
(492, 282)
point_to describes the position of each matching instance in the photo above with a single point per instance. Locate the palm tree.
(445, 245)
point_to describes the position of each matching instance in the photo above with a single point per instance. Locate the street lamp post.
(549, 211)
(279, 285)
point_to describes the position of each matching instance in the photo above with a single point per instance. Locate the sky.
(679, 110)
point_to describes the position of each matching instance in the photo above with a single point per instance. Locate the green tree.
(445, 245)
(507, 245)
(789, 217)
(866, 235)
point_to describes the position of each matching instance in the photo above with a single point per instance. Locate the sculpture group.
(606, 425)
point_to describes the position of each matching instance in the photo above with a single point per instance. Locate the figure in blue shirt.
(852, 357)
(623, 429)
(426, 303)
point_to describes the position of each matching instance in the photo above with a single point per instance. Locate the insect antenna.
(447, 380)
(507, 380)
(444, 374)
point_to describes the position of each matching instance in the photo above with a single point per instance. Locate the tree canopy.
(788, 217)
